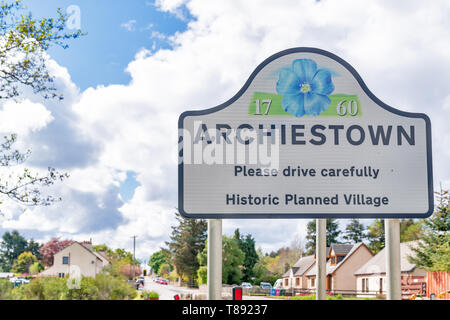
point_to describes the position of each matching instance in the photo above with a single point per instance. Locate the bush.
(102, 287)
(143, 295)
(202, 274)
(173, 277)
(310, 297)
(153, 294)
(338, 297)
(110, 288)
(35, 268)
(42, 289)
(6, 287)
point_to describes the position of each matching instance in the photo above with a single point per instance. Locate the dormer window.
(333, 260)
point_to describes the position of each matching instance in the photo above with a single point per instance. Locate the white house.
(371, 277)
(78, 258)
(295, 276)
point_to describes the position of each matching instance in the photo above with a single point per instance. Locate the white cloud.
(401, 49)
(130, 25)
(23, 117)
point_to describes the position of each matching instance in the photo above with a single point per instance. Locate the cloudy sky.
(144, 62)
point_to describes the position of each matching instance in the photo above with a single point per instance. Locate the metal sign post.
(393, 268)
(304, 138)
(321, 248)
(214, 271)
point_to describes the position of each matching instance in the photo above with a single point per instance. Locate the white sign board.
(304, 138)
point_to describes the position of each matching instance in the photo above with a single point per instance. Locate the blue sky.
(117, 30)
(115, 33)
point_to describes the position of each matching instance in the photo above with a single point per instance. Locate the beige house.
(295, 276)
(371, 277)
(342, 262)
(78, 258)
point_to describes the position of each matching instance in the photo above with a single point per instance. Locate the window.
(61, 275)
(286, 282)
(313, 282)
(333, 260)
(365, 285)
(65, 260)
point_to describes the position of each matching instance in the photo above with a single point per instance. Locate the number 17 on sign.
(259, 104)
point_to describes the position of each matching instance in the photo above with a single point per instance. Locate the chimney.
(87, 244)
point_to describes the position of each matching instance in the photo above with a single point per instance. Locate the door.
(329, 282)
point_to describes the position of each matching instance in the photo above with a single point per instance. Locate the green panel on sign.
(346, 105)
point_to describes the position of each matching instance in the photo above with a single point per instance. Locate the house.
(295, 276)
(371, 277)
(342, 262)
(78, 258)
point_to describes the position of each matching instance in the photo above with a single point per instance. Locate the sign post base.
(393, 268)
(214, 271)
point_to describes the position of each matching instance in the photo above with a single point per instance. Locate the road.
(167, 292)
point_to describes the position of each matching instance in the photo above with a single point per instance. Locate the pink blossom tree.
(51, 247)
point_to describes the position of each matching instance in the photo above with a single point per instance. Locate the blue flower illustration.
(304, 88)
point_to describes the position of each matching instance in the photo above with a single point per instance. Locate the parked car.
(140, 280)
(163, 281)
(278, 284)
(246, 285)
(18, 281)
(265, 285)
(156, 279)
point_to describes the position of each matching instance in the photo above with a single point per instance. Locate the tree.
(22, 50)
(23, 262)
(12, 245)
(35, 248)
(232, 260)
(332, 230)
(354, 232)
(247, 245)
(121, 261)
(186, 241)
(261, 271)
(126, 270)
(36, 267)
(410, 230)
(24, 42)
(164, 269)
(157, 259)
(51, 247)
(376, 236)
(433, 250)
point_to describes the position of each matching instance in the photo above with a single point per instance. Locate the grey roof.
(329, 268)
(377, 264)
(341, 248)
(302, 265)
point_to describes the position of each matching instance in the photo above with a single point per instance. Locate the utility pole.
(134, 257)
